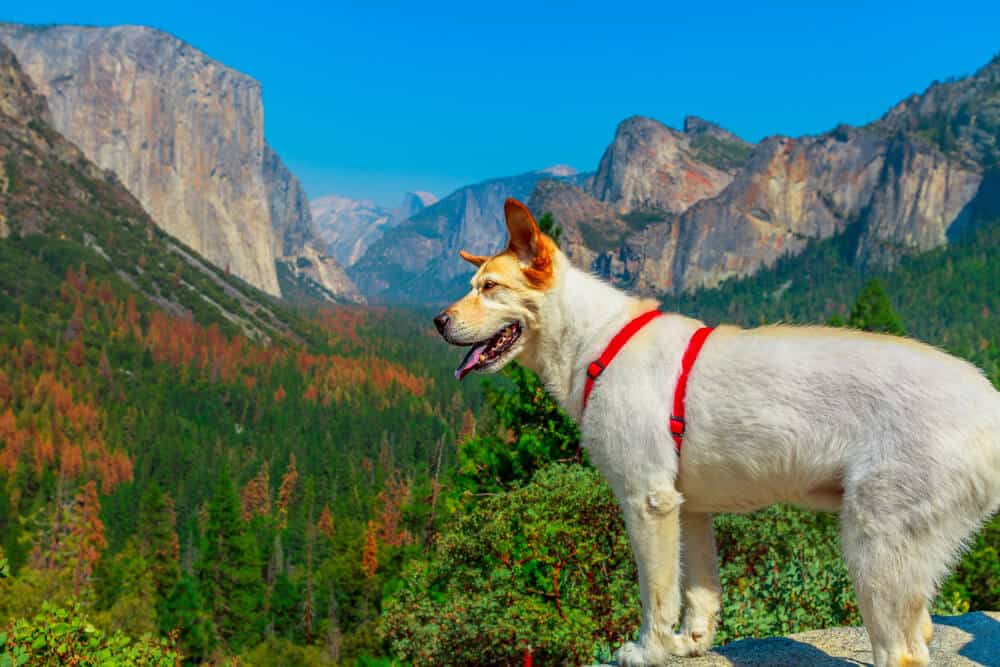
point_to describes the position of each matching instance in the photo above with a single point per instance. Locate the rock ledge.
(970, 639)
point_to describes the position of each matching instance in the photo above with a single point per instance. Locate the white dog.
(902, 439)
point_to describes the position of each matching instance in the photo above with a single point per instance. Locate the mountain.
(652, 167)
(58, 210)
(417, 260)
(413, 203)
(912, 179)
(349, 226)
(185, 134)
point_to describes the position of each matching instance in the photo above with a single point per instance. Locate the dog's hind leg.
(653, 523)
(895, 561)
(702, 593)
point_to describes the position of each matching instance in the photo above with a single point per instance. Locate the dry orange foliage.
(256, 496)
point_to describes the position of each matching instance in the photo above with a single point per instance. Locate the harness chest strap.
(619, 341)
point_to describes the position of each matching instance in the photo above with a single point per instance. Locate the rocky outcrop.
(18, 98)
(297, 243)
(910, 181)
(789, 191)
(651, 167)
(418, 260)
(967, 640)
(922, 195)
(184, 133)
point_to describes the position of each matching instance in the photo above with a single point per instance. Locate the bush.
(60, 636)
(547, 565)
(781, 572)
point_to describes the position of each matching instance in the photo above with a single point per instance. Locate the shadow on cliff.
(984, 645)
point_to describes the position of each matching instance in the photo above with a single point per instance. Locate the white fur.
(903, 439)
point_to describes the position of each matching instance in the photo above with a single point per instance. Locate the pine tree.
(325, 524)
(369, 553)
(87, 534)
(181, 615)
(873, 311)
(230, 570)
(158, 539)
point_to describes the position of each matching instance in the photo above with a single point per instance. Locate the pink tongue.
(470, 362)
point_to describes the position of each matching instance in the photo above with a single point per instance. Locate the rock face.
(183, 132)
(651, 167)
(349, 227)
(297, 243)
(909, 182)
(970, 639)
(49, 187)
(418, 260)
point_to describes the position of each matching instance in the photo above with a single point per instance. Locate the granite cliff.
(906, 183)
(58, 209)
(185, 134)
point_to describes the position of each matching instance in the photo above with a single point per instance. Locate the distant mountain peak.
(425, 198)
(559, 170)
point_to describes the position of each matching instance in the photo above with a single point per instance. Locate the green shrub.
(547, 565)
(60, 636)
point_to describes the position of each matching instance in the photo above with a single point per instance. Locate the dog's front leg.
(702, 593)
(653, 523)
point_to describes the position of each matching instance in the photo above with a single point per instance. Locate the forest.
(178, 491)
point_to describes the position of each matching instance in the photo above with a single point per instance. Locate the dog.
(900, 438)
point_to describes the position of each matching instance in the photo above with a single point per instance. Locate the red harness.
(619, 341)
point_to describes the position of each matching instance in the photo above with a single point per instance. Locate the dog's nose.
(441, 321)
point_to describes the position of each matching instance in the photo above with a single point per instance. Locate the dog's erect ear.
(525, 236)
(477, 260)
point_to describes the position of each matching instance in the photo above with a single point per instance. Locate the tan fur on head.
(533, 249)
(476, 260)
(507, 287)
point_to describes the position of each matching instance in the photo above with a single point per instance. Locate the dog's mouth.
(489, 352)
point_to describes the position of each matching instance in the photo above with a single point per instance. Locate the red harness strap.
(595, 368)
(619, 341)
(687, 362)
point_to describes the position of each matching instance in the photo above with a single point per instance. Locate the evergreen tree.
(181, 614)
(158, 539)
(547, 225)
(873, 311)
(229, 571)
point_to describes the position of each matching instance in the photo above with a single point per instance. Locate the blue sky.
(372, 99)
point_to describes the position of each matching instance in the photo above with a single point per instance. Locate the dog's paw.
(695, 637)
(633, 655)
(646, 654)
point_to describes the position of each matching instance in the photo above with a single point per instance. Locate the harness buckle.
(595, 369)
(676, 425)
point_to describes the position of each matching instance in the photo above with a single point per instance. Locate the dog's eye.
(488, 285)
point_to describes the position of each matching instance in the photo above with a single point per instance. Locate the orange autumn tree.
(369, 553)
(86, 531)
(286, 491)
(255, 498)
(325, 523)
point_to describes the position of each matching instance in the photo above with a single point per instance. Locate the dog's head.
(499, 318)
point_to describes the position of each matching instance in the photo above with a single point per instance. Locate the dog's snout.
(441, 321)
